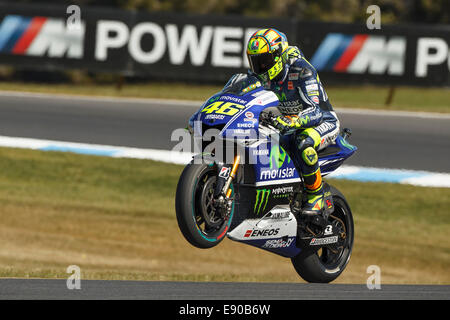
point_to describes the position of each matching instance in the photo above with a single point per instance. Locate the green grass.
(115, 219)
(366, 97)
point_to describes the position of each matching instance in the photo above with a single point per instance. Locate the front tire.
(327, 263)
(198, 221)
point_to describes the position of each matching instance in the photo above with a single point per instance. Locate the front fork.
(222, 193)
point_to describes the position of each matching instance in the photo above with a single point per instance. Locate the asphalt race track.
(394, 140)
(46, 289)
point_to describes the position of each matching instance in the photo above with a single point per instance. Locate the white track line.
(193, 103)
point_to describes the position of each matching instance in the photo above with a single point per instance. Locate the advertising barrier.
(212, 48)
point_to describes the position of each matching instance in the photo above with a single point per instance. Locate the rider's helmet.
(265, 51)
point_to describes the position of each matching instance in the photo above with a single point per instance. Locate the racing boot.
(314, 203)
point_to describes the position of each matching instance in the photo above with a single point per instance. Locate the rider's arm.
(308, 87)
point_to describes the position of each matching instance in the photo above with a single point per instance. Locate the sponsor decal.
(292, 103)
(254, 45)
(291, 109)
(283, 190)
(281, 96)
(246, 125)
(223, 108)
(244, 132)
(347, 145)
(249, 115)
(233, 99)
(252, 233)
(277, 174)
(279, 215)
(315, 99)
(41, 36)
(290, 85)
(324, 128)
(215, 116)
(262, 152)
(328, 230)
(262, 197)
(225, 172)
(312, 87)
(313, 93)
(293, 76)
(323, 241)
(221, 45)
(252, 87)
(431, 52)
(278, 156)
(361, 53)
(279, 243)
(329, 204)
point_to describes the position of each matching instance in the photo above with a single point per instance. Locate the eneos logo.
(261, 233)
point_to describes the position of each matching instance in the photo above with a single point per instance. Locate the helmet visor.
(261, 63)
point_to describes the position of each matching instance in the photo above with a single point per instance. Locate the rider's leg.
(306, 143)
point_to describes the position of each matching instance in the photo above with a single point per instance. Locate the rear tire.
(326, 264)
(198, 222)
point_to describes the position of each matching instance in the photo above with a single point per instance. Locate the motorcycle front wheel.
(199, 222)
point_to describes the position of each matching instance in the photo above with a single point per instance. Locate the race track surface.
(154, 290)
(391, 140)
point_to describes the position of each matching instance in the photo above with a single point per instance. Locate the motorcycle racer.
(307, 118)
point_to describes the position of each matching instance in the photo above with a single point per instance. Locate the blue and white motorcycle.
(243, 185)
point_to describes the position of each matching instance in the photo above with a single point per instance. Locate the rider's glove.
(286, 123)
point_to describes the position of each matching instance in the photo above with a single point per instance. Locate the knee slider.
(309, 155)
(303, 142)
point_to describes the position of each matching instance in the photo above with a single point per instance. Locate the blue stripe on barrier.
(363, 174)
(380, 175)
(16, 34)
(89, 151)
(8, 29)
(326, 50)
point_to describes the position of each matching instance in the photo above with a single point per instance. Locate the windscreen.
(240, 84)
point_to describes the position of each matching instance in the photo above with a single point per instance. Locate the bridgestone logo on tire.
(323, 241)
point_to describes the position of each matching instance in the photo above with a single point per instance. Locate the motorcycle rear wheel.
(326, 264)
(201, 225)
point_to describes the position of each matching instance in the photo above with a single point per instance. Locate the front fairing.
(233, 115)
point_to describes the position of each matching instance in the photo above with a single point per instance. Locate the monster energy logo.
(262, 196)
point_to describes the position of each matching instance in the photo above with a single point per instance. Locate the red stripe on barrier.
(350, 53)
(28, 36)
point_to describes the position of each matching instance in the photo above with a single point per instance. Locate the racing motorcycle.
(254, 196)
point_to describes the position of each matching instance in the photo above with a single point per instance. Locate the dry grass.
(115, 219)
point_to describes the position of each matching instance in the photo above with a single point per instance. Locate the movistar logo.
(262, 197)
(277, 157)
(347, 145)
(281, 97)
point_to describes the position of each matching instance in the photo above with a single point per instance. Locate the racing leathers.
(307, 122)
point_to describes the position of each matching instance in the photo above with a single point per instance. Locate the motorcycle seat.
(329, 151)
